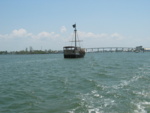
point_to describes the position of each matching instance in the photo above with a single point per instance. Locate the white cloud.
(44, 34)
(116, 36)
(63, 29)
(3, 36)
(47, 35)
(19, 33)
(23, 33)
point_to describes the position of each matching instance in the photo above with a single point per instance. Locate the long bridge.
(112, 49)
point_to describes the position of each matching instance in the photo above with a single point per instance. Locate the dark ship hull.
(73, 52)
(74, 56)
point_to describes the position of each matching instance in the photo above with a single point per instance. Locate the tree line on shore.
(31, 51)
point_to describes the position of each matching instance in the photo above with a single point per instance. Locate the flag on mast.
(74, 25)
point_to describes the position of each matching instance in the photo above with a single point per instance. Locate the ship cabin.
(73, 52)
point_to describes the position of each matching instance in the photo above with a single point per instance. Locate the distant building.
(147, 49)
(139, 49)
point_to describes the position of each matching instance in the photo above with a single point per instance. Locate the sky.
(47, 24)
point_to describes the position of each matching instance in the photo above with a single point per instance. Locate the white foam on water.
(96, 94)
(103, 87)
(126, 83)
(94, 110)
(142, 93)
(93, 102)
(108, 102)
(141, 107)
(90, 110)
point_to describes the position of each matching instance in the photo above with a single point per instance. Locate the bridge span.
(111, 49)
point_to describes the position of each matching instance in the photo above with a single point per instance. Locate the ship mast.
(75, 30)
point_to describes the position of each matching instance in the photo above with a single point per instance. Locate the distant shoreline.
(31, 52)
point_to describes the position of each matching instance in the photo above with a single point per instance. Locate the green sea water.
(98, 83)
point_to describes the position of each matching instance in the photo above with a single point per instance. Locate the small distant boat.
(73, 51)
